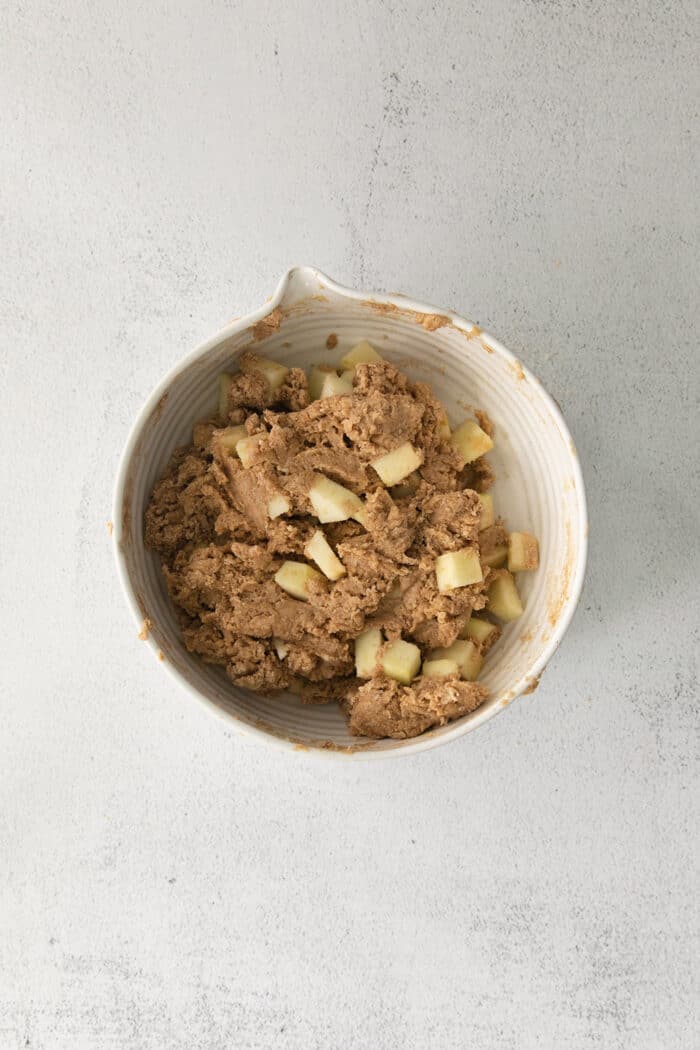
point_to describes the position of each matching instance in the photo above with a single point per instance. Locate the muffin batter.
(209, 519)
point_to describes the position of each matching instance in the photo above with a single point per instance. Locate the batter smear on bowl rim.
(329, 535)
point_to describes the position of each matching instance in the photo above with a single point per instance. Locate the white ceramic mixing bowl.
(539, 489)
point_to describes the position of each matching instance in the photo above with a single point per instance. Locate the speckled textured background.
(167, 886)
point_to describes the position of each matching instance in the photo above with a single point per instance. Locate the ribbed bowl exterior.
(539, 489)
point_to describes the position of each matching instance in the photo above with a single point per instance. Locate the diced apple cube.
(333, 502)
(443, 429)
(367, 646)
(394, 466)
(523, 552)
(471, 441)
(495, 558)
(316, 377)
(440, 668)
(318, 549)
(465, 654)
(228, 438)
(359, 354)
(487, 517)
(477, 629)
(273, 372)
(294, 577)
(278, 505)
(471, 665)
(503, 598)
(247, 448)
(224, 384)
(458, 651)
(348, 374)
(458, 569)
(334, 385)
(401, 661)
(281, 648)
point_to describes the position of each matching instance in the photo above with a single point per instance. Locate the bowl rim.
(429, 739)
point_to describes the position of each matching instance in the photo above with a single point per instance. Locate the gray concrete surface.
(167, 886)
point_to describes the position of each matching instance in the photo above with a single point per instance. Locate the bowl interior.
(538, 489)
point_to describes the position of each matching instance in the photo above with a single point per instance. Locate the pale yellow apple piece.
(333, 502)
(367, 647)
(477, 629)
(228, 438)
(471, 665)
(394, 466)
(487, 516)
(224, 384)
(401, 661)
(318, 549)
(281, 648)
(495, 558)
(458, 569)
(316, 376)
(348, 374)
(248, 446)
(443, 429)
(278, 505)
(294, 577)
(440, 669)
(465, 654)
(273, 372)
(458, 651)
(334, 385)
(360, 354)
(471, 441)
(503, 598)
(523, 552)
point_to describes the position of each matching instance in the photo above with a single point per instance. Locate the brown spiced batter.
(207, 519)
